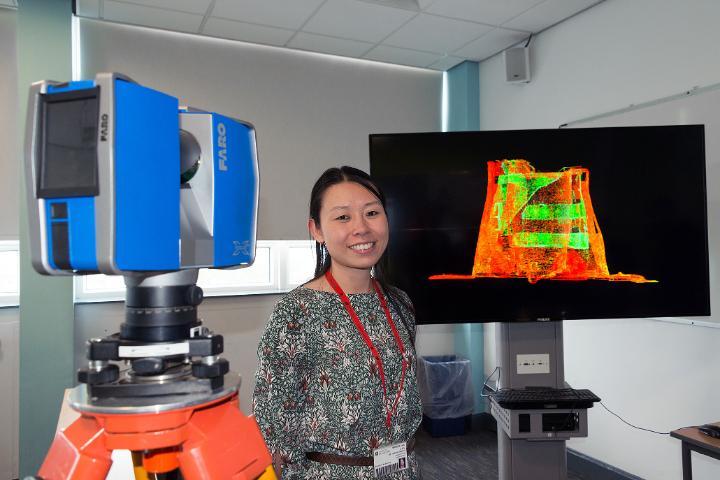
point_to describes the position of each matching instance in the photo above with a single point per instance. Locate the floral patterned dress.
(318, 389)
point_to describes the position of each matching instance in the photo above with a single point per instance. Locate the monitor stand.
(530, 354)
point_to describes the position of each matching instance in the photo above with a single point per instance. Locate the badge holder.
(390, 459)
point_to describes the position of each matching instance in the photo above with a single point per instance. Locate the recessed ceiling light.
(404, 4)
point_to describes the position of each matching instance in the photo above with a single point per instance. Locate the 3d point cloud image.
(539, 226)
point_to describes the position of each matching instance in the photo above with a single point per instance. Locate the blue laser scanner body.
(124, 180)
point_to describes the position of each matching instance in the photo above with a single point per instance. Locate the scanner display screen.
(68, 144)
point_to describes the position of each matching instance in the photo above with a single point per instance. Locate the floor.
(470, 456)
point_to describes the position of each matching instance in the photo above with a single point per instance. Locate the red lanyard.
(390, 410)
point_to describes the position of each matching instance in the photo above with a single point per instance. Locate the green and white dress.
(318, 389)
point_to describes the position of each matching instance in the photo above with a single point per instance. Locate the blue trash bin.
(446, 390)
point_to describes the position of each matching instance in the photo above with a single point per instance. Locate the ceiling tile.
(425, 3)
(412, 5)
(275, 13)
(446, 63)
(435, 34)
(88, 8)
(357, 20)
(401, 56)
(151, 17)
(332, 45)
(490, 44)
(492, 12)
(247, 32)
(189, 6)
(548, 13)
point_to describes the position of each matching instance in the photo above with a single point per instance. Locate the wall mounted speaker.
(517, 65)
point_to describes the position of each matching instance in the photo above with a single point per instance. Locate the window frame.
(279, 274)
(11, 299)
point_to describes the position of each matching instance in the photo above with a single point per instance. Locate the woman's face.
(353, 226)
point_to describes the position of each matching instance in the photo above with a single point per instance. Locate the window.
(9, 273)
(280, 266)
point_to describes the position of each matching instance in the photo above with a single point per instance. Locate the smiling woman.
(336, 392)
(352, 227)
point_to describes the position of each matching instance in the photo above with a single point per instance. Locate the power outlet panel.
(533, 363)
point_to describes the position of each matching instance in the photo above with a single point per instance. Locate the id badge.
(390, 459)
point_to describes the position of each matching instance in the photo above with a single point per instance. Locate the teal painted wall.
(44, 51)
(463, 113)
(463, 97)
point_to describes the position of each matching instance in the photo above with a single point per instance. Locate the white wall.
(435, 340)
(8, 127)
(615, 54)
(311, 111)
(654, 374)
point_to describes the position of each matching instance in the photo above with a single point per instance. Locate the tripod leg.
(224, 444)
(77, 452)
(138, 469)
(141, 474)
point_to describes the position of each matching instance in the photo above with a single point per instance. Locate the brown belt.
(348, 460)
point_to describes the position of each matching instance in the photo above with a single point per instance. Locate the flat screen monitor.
(586, 223)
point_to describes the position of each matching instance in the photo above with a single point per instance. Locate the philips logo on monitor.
(222, 146)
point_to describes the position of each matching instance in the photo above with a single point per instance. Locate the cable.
(528, 41)
(486, 386)
(572, 414)
(634, 426)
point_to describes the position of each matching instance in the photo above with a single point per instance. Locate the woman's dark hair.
(334, 176)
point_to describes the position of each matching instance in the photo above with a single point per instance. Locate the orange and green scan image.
(539, 226)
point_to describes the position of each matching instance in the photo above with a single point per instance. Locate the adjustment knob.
(148, 366)
(212, 370)
(107, 374)
(194, 295)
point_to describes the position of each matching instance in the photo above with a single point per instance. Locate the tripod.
(213, 440)
(172, 408)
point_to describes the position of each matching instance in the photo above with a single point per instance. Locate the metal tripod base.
(81, 401)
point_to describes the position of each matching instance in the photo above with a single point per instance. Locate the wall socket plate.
(533, 363)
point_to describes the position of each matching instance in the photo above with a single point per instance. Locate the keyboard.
(536, 398)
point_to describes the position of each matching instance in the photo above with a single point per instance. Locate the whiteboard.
(699, 106)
